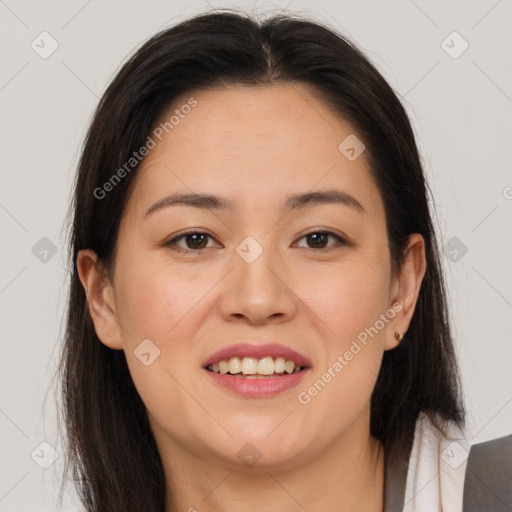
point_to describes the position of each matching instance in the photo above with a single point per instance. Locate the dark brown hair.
(111, 450)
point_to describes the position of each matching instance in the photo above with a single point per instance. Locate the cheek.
(154, 298)
(161, 305)
(347, 300)
(351, 305)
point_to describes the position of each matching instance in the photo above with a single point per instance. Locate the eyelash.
(173, 243)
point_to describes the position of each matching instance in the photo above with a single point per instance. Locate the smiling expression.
(247, 225)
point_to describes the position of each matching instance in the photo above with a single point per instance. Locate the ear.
(405, 289)
(100, 299)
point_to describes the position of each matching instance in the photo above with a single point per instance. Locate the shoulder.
(445, 471)
(488, 482)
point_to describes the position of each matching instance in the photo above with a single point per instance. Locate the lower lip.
(258, 388)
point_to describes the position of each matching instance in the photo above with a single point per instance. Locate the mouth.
(251, 368)
(257, 370)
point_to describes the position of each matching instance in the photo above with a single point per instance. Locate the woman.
(257, 316)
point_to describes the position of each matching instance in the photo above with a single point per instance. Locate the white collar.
(437, 467)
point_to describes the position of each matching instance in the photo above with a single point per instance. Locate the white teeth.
(223, 366)
(252, 367)
(279, 365)
(266, 366)
(249, 366)
(289, 366)
(235, 365)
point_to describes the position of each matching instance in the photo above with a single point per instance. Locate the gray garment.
(487, 482)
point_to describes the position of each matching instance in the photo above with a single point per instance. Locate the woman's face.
(252, 276)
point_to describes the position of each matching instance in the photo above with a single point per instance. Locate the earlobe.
(406, 289)
(100, 299)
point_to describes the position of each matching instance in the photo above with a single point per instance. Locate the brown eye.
(193, 241)
(196, 240)
(319, 240)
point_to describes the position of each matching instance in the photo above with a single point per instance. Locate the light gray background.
(461, 111)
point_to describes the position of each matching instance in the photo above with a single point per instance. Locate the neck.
(347, 476)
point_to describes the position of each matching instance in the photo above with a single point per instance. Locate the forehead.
(252, 143)
(271, 117)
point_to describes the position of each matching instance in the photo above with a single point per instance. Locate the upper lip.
(257, 350)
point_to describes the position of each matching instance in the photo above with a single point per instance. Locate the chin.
(263, 446)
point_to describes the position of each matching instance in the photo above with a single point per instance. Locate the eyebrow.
(292, 202)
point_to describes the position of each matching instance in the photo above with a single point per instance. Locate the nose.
(257, 292)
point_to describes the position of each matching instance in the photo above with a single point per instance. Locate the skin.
(254, 146)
